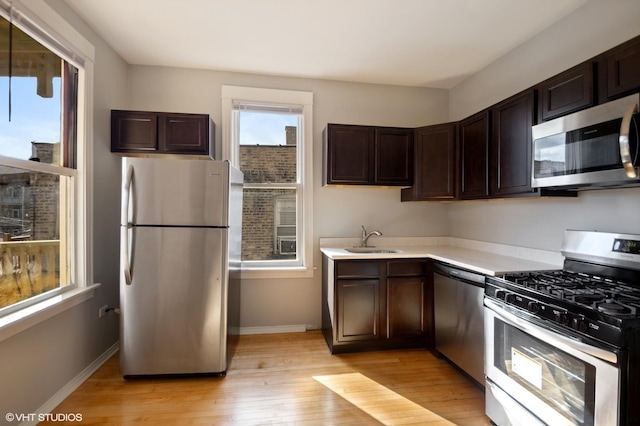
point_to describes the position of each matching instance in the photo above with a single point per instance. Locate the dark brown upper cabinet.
(393, 154)
(474, 156)
(367, 155)
(620, 69)
(487, 155)
(143, 132)
(435, 171)
(348, 154)
(510, 166)
(567, 92)
(134, 131)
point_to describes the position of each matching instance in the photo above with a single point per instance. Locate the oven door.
(535, 371)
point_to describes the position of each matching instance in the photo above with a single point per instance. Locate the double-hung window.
(268, 137)
(44, 249)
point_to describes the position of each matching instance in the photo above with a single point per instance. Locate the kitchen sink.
(370, 250)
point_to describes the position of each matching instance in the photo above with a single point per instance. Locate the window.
(43, 198)
(268, 137)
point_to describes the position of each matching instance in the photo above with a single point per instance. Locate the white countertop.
(486, 258)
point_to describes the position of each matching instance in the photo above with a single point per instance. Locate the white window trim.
(231, 153)
(82, 54)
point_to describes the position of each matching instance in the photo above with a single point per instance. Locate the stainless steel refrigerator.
(180, 263)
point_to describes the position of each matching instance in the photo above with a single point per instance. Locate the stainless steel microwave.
(590, 149)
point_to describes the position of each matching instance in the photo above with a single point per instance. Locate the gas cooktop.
(602, 294)
(601, 310)
(595, 295)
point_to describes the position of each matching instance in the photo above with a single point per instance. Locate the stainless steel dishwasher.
(459, 319)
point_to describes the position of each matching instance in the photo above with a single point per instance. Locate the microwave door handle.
(625, 151)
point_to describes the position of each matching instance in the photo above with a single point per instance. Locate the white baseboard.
(67, 389)
(295, 328)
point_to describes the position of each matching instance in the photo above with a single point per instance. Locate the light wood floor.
(288, 379)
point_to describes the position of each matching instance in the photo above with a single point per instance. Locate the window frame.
(231, 152)
(42, 23)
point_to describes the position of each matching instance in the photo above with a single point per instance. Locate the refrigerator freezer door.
(175, 192)
(174, 312)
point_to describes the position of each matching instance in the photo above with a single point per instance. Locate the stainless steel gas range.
(563, 347)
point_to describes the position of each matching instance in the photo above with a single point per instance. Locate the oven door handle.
(625, 150)
(549, 336)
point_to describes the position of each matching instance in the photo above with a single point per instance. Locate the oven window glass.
(589, 149)
(565, 383)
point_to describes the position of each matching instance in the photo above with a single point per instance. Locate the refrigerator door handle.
(127, 250)
(126, 196)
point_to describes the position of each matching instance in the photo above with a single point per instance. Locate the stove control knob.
(583, 326)
(560, 317)
(500, 294)
(533, 306)
(579, 324)
(510, 298)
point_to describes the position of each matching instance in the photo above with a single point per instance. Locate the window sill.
(294, 272)
(28, 317)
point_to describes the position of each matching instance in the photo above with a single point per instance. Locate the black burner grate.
(603, 294)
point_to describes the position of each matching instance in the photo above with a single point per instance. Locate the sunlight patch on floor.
(384, 405)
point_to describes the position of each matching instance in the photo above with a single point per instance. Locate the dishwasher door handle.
(468, 277)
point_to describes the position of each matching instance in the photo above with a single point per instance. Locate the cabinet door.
(405, 307)
(184, 134)
(622, 68)
(358, 309)
(134, 131)
(567, 92)
(511, 145)
(435, 163)
(348, 154)
(393, 149)
(474, 156)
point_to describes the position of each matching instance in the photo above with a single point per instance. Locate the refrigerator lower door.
(174, 312)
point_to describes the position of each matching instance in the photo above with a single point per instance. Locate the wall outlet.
(102, 311)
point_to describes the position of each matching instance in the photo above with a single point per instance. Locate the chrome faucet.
(366, 235)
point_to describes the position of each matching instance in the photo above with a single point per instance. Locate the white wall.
(337, 211)
(540, 223)
(592, 29)
(38, 362)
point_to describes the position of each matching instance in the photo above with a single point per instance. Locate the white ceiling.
(423, 43)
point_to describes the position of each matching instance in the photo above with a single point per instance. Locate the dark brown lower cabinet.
(376, 304)
(405, 301)
(359, 309)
